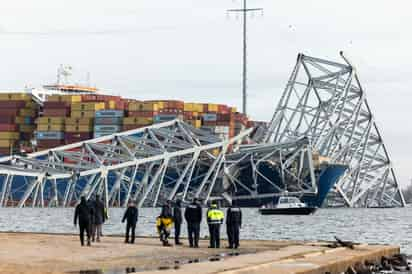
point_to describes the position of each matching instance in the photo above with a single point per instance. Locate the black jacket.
(177, 215)
(234, 216)
(82, 213)
(166, 211)
(99, 214)
(193, 213)
(131, 215)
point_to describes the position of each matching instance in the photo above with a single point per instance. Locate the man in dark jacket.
(82, 215)
(233, 224)
(99, 218)
(193, 216)
(177, 218)
(131, 216)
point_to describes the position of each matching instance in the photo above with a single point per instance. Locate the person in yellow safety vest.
(164, 225)
(215, 218)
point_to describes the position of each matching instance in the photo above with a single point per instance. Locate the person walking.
(193, 217)
(99, 218)
(164, 223)
(82, 216)
(131, 215)
(214, 220)
(233, 225)
(177, 218)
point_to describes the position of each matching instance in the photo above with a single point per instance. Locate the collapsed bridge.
(323, 111)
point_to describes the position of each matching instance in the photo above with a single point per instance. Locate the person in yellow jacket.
(164, 225)
(215, 218)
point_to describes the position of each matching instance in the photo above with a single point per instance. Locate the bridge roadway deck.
(56, 254)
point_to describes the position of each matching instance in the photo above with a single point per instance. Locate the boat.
(288, 206)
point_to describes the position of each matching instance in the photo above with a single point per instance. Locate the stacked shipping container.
(17, 112)
(107, 122)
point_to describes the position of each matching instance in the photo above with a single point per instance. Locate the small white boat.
(288, 206)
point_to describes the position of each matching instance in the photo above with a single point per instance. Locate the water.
(387, 226)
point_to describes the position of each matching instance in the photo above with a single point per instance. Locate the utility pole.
(244, 10)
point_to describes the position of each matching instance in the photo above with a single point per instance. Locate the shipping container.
(50, 127)
(211, 108)
(98, 134)
(12, 104)
(209, 116)
(110, 113)
(137, 120)
(142, 106)
(54, 112)
(49, 135)
(79, 121)
(166, 117)
(93, 106)
(9, 135)
(82, 114)
(9, 127)
(49, 143)
(64, 98)
(108, 121)
(142, 113)
(50, 104)
(50, 120)
(9, 112)
(78, 128)
(7, 143)
(78, 135)
(111, 128)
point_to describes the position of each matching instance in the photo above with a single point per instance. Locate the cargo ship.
(62, 113)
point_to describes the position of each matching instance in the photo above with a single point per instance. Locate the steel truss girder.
(325, 102)
(150, 165)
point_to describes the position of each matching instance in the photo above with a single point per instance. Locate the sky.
(191, 50)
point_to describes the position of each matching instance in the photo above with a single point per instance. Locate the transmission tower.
(244, 11)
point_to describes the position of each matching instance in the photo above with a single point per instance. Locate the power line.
(244, 10)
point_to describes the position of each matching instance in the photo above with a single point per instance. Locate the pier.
(57, 254)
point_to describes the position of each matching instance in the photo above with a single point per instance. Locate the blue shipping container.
(98, 134)
(164, 117)
(108, 120)
(111, 128)
(109, 113)
(50, 135)
(209, 116)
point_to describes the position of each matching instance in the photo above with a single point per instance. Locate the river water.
(388, 226)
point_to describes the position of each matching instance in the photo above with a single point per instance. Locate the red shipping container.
(9, 127)
(49, 143)
(223, 117)
(78, 135)
(12, 104)
(54, 112)
(209, 123)
(7, 119)
(50, 105)
(222, 109)
(9, 112)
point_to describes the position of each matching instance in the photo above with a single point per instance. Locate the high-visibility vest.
(164, 222)
(215, 216)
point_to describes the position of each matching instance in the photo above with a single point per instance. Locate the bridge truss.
(324, 101)
(149, 165)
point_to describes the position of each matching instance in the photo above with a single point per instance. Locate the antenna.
(244, 10)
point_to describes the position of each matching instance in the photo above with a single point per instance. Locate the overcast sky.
(191, 50)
